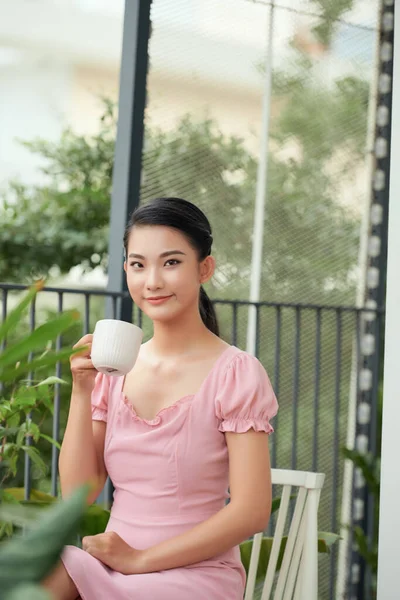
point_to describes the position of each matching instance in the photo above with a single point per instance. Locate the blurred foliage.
(26, 398)
(94, 519)
(26, 559)
(311, 240)
(330, 11)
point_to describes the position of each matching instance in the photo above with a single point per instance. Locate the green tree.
(310, 238)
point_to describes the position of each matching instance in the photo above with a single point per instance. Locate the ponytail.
(207, 312)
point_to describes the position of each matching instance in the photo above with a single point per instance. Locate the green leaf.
(265, 553)
(8, 497)
(38, 338)
(28, 591)
(6, 529)
(26, 396)
(50, 360)
(13, 421)
(325, 540)
(5, 408)
(36, 495)
(51, 381)
(21, 435)
(51, 440)
(9, 448)
(21, 515)
(30, 558)
(94, 520)
(276, 503)
(35, 457)
(33, 431)
(14, 317)
(367, 464)
(12, 462)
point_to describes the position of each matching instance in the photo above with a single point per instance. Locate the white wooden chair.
(297, 578)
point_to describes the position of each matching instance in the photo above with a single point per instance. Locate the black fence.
(313, 355)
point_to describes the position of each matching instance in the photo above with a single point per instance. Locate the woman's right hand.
(82, 369)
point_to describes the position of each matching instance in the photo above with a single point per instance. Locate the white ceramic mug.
(115, 346)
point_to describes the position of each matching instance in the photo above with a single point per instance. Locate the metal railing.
(311, 352)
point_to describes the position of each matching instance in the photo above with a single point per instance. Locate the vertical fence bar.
(355, 571)
(277, 364)
(129, 143)
(257, 345)
(336, 448)
(56, 414)
(3, 316)
(86, 315)
(114, 309)
(318, 319)
(374, 320)
(276, 382)
(28, 439)
(234, 323)
(375, 329)
(376, 268)
(296, 381)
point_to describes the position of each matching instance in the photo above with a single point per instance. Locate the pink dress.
(170, 474)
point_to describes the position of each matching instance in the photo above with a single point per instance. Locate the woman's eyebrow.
(163, 255)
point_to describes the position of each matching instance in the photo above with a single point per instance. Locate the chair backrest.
(297, 577)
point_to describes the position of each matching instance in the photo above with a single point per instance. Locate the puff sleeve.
(246, 399)
(99, 398)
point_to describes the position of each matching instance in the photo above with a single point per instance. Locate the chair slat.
(254, 558)
(293, 571)
(298, 575)
(293, 532)
(276, 545)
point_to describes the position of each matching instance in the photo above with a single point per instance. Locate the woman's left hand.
(111, 550)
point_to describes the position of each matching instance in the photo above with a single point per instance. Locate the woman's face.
(163, 272)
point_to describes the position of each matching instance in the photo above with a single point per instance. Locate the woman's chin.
(161, 313)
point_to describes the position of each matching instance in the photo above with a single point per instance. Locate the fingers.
(86, 541)
(82, 364)
(86, 340)
(81, 360)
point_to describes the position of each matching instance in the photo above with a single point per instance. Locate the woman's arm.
(247, 513)
(81, 456)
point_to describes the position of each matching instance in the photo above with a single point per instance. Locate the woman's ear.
(207, 268)
(125, 266)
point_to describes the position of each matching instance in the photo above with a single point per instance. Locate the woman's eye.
(172, 262)
(136, 265)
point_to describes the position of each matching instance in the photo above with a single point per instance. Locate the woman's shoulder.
(240, 359)
(236, 366)
(245, 398)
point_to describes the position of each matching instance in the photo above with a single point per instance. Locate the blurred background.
(249, 104)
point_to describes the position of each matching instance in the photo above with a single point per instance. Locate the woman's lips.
(158, 300)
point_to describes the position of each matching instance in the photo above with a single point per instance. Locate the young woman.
(190, 420)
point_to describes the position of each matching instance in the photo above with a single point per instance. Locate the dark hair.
(192, 222)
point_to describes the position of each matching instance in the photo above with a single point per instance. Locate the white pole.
(389, 518)
(360, 301)
(261, 192)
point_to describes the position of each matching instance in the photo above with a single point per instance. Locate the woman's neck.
(177, 338)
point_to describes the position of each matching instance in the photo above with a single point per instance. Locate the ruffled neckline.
(158, 417)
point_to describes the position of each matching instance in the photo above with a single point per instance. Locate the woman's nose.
(154, 279)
